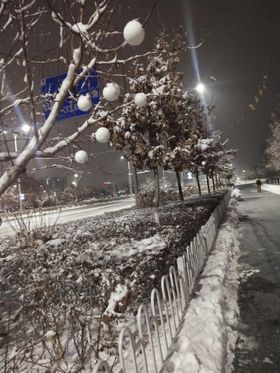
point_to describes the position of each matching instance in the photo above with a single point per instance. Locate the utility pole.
(129, 177)
(18, 180)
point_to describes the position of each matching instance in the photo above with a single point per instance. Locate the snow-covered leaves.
(272, 153)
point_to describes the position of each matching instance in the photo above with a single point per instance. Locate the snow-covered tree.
(272, 152)
(186, 127)
(152, 105)
(77, 38)
(224, 167)
(198, 142)
(217, 160)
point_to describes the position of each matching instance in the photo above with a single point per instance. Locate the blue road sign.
(50, 87)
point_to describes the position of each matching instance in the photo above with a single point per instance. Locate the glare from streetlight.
(25, 127)
(122, 157)
(76, 175)
(200, 88)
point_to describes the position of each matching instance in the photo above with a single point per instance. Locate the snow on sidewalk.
(271, 188)
(207, 338)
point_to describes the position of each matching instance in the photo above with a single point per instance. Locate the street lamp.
(129, 176)
(200, 88)
(25, 128)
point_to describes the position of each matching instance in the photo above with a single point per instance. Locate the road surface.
(258, 348)
(69, 214)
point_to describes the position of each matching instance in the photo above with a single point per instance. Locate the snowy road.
(258, 348)
(75, 213)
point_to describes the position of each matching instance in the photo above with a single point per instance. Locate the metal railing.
(158, 322)
(273, 180)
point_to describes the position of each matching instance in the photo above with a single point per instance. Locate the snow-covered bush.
(84, 283)
(33, 227)
(146, 195)
(9, 201)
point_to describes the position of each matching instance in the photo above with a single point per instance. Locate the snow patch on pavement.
(208, 337)
(271, 188)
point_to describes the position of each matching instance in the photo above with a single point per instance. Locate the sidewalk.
(258, 346)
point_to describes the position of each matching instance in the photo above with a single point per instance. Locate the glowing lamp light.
(102, 135)
(81, 157)
(84, 103)
(140, 99)
(134, 33)
(200, 88)
(111, 92)
(25, 127)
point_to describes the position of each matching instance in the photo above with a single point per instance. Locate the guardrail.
(273, 181)
(146, 348)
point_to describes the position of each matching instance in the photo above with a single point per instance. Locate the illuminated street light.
(200, 88)
(25, 127)
(129, 176)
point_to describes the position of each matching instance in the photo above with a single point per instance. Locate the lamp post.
(129, 176)
(18, 180)
(26, 128)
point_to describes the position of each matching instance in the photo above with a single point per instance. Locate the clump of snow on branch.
(134, 33)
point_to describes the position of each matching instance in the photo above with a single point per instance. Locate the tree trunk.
(138, 197)
(217, 183)
(136, 181)
(156, 184)
(198, 182)
(208, 185)
(213, 183)
(179, 185)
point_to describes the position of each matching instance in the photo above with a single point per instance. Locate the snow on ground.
(236, 193)
(92, 272)
(207, 338)
(271, 188)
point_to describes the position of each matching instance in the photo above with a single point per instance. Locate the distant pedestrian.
(259, 185)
